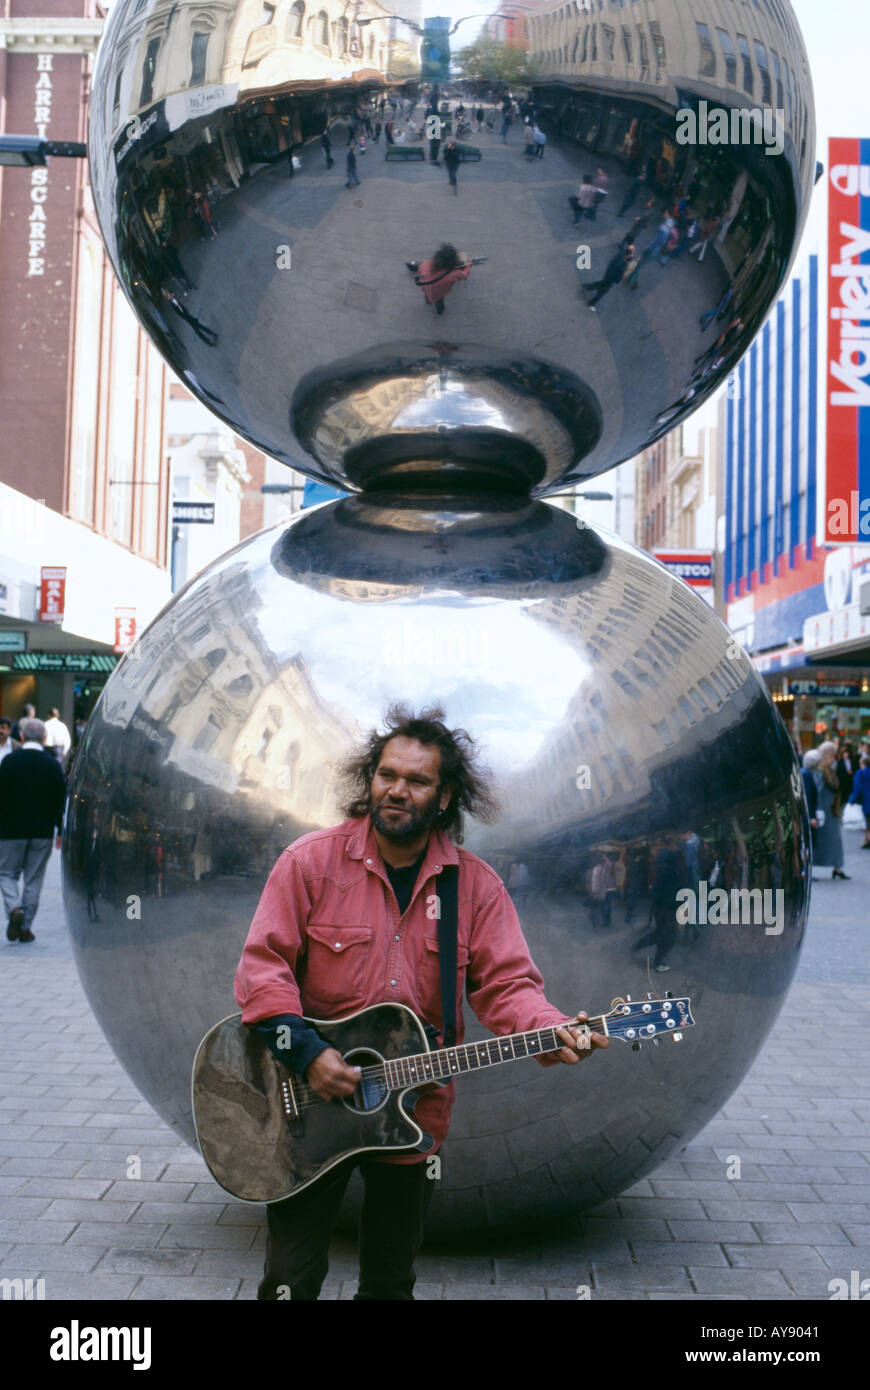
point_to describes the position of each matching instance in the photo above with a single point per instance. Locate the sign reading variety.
(847, 510)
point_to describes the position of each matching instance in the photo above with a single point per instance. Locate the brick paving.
(798, 1217)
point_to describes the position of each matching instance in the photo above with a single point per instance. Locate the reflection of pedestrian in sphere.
(437, 277)
(208, 335)
(452, 159)
(616, 270)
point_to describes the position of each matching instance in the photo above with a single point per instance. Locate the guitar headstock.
(648, 1019)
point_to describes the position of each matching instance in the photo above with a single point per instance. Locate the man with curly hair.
(345, 921)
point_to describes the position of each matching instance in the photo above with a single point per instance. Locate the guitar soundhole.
(372, 1091)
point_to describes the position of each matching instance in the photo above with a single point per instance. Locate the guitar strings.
(307, 1097)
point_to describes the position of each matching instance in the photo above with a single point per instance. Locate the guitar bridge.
(288, 1099)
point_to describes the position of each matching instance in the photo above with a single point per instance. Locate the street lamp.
(25, 151)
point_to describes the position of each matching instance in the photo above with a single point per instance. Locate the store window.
(659, 49)
(707, 65)
(149, 67)
(780, 101)
(729, 53)
(748, 75)
(295, 20)
(763, 68)
(644, 53)
(198, 51)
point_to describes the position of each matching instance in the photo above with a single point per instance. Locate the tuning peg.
(668, 994)
(635, 1047)
(677, 1037)
(628, 998)
(656, 1042)
(647, 996)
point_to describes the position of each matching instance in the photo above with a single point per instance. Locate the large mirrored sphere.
(297, 282)
(619, 722)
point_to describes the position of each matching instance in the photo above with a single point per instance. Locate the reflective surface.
(612, 717)
(281, 295)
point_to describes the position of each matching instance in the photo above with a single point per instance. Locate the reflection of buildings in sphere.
(217, 108)
(216, 740)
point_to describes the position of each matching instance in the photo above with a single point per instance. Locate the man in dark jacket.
(32, 793)
(452, 159)
(615, 271)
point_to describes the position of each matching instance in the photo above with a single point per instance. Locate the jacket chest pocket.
(431, 969)
(335, 967)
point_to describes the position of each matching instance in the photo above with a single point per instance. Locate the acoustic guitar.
(265, 1134)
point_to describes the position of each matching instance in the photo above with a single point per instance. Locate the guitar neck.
(453, 1061)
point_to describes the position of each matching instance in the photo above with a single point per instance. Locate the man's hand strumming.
(330, 1076)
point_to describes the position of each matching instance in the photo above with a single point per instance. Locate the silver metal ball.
(282, 296)
(614, 711)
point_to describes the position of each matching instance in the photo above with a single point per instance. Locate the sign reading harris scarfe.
(847, 501)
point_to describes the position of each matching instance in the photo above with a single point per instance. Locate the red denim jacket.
(327, 939)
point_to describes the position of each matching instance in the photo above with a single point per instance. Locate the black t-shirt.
(403, 880)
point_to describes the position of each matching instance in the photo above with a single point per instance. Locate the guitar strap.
(448, 897)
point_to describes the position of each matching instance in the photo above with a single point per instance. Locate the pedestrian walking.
(506, 125)
(29, 713)
(640, 223)
(437, 276)
(860, 794)
(723, 343)
(528, 140)
(658, 244)
(602, 887)
(632, 265)
(32, 793)
(720, 310)
(616, 269)
(825, 807)
(601, 182)
(478, 116)
(57, 736)
(585, 203)
(633, 190)
(452, 160)
(705, 238)
(352, 176)
(326, 146)
(540, 141)
(7, 743)
(662, 924)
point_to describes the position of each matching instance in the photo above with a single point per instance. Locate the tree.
(496, 64)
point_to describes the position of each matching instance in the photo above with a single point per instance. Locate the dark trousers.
(663, 934)
(391, 1229)
(601, 288)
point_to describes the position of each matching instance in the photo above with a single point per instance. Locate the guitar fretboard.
(453, 1061)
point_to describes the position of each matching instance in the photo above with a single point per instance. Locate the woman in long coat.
(825, 808)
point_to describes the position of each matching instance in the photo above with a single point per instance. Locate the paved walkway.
(73, 1212)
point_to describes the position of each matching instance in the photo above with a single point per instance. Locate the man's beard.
(412, 825)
